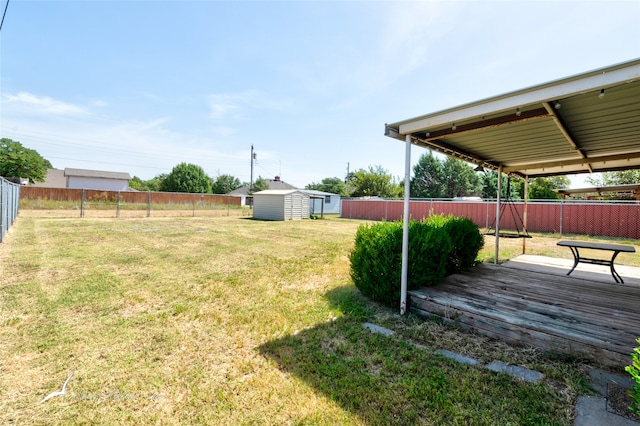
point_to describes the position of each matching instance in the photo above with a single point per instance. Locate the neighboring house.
(323, 202)
(54, 179)
(86, 179)
(274, 184)
(281, 204)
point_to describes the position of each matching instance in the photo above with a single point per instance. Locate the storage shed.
(281, 204)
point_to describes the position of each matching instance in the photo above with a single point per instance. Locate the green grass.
(227, 320)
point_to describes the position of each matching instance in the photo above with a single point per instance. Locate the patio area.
(529, 301)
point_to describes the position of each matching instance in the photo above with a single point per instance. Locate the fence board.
(621, 220)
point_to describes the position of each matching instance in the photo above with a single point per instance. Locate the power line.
(6, 6)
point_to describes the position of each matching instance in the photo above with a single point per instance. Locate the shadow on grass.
(385, 380)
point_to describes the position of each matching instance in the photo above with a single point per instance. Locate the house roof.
(96, 174)
(581, 124)
(273, 184)
(54, 179)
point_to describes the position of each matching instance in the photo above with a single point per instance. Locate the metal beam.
(578, 161)
(563, 129)
(483, 124)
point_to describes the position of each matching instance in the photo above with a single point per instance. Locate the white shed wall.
(79, 182)
(268, 207)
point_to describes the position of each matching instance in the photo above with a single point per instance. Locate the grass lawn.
(228, 320)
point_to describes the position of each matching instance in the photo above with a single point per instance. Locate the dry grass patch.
(228, 320)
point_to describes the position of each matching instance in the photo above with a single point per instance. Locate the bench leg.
(613, 271)
(576, 258)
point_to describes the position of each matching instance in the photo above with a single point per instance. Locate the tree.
(333, 185)
(460, 180)
(259, 185)
(224, 184)
(428, 178)
(542, 188)
(433, 178)
(20, 162)
(147, 185)
(187, 178)
(375, 182)
(624, 177)
(489, 182)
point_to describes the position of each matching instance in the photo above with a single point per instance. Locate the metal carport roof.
(586, 123)
(581, 124)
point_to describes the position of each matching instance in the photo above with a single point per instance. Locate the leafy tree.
(374, 182)
(333, 185)
(460, 180)
(224, 184)
(259, 185)
(542, 188)
(489, 180)
(20, 162)
(624, 177)
(187, 178)
(450, 178)
(428, 178)
(147, 185)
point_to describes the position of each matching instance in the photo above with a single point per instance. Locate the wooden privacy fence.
(608, 219)
(84, 199)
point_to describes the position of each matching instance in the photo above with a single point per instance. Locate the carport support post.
(524, 215)
(497, 250)
(405, 227)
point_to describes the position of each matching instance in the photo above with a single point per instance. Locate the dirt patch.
(619, 401)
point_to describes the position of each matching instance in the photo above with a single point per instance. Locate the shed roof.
(581, 124)
(316, 192)
(96, 174)
(278, 192)
(632, 188)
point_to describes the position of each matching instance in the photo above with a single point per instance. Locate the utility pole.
(346, 180)
(253, 157)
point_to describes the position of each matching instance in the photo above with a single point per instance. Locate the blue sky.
(141, 86)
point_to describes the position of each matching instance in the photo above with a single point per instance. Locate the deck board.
(547, 310)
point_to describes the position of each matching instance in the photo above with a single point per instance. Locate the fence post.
(118, 205)
(228, 204)
(561, 213)
(148, 203)
(82, 203)
(486, 215)
(193, 206)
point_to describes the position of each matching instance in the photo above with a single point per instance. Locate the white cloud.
(44, 104)
(236, 106)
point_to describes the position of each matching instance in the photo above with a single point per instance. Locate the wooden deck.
(536, 305)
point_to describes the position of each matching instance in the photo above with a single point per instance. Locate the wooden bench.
(615, 248)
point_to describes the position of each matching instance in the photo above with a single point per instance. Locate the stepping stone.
(520, 372)
(457, 357)
(377, 329)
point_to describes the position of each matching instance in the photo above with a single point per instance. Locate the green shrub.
(634, 370)
(465, 237)
(376, 260)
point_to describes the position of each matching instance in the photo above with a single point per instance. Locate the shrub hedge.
(437, 246)
(466, 238)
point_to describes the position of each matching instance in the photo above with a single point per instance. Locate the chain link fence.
(65, 202)
(9, 202)
(619, 219)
